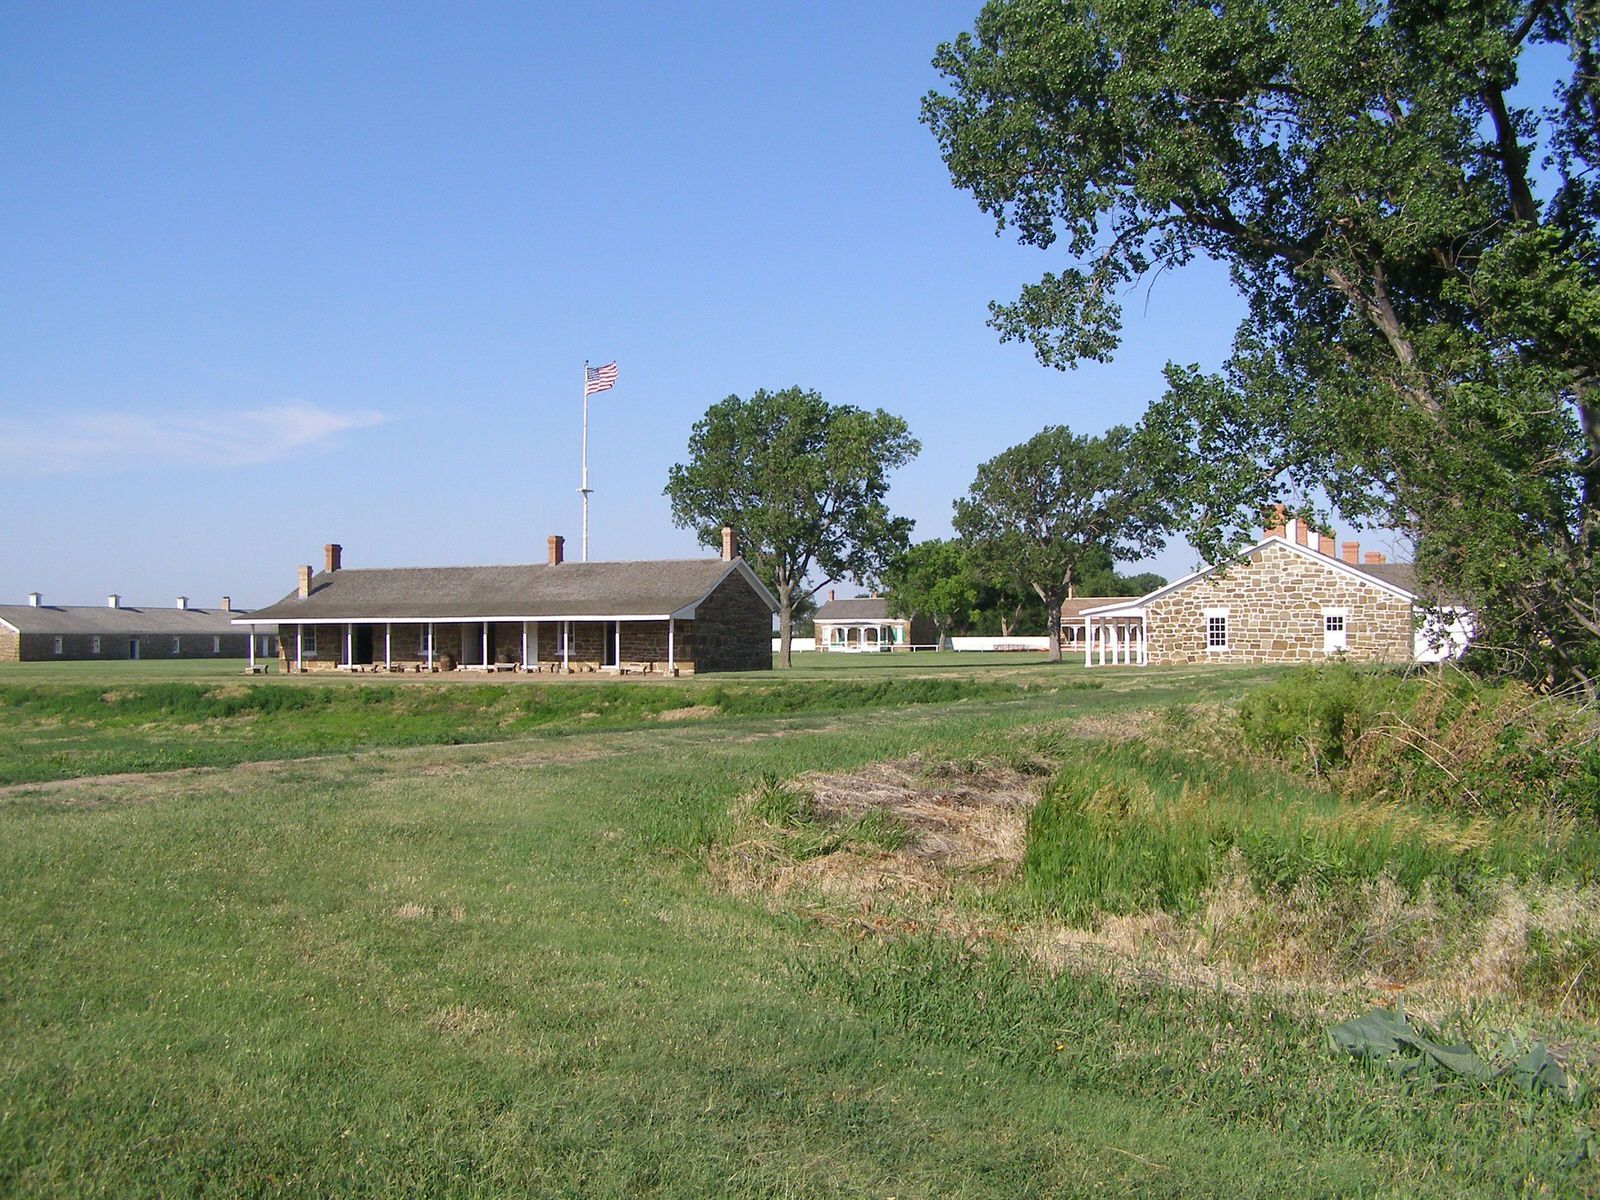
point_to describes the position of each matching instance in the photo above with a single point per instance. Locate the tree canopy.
(1039, 512)
(933, 579)
(802, 483)
(1416, 248)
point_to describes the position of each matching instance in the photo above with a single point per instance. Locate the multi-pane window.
(177, 644)
(94, 645)
(216, 645)
(59, 646)
(1216, 631)
(423, 640)
(309, 632)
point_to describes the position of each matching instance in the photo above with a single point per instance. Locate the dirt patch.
(952, 822)
(692, 712)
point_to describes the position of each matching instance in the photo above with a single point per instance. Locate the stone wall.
(1275, 600)
(41, 647)
(733, 629)
(10, 646)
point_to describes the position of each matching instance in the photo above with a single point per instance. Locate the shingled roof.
(653, 588)
(862, 608)
(103, 619)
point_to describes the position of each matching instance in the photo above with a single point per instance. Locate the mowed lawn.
(502, 969)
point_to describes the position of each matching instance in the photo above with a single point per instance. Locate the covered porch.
(1115, 637)
(568, 645)
(861, 637)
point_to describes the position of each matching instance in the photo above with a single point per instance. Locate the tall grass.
(1440, 737)
(1134, 829)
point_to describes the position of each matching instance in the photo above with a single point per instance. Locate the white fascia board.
(1135, 609)
(10, 626)
(544, 620)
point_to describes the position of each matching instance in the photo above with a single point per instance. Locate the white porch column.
(536, 643)
(299, 647)
(1105, 641)
(672, 664)
(566, 645)
(1144, 642)
(388, 645)
(1088, 640)
(616, 652)
(430, 645)
(349, 643)
(524, 658)
(252, 647)
(484, 657)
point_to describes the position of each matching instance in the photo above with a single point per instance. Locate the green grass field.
(335, 964)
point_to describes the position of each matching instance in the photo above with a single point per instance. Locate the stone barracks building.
(40, 632)
(1288, 598)
(673, 617)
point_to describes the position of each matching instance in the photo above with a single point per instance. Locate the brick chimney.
(555, 549)
(113, 601)
(305, 582)
(332, 557)
(727, 543)
(1325, 545)
(227, 604)
(35, 599)
(1272, 522)
(1375, 556)
(830, 594)
(1350, 552)
(1299, 531)
(181, 604)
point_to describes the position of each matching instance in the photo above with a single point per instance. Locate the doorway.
(362, 645)
(608, 655)
(133, 647)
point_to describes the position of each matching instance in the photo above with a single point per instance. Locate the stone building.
(681, 616)
(40, 632)
(1288, 598)
(864, 625)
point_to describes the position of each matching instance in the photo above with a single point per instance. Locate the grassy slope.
(390, 975)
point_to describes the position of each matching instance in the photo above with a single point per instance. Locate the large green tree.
(932, 579)
(1414, 236)
(802, 482)
(1040, 512)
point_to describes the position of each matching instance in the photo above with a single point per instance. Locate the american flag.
(599, 379)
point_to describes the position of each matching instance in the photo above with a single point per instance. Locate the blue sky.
(281, 275)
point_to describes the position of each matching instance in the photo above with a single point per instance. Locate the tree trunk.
(785, 617)
(1053, 625)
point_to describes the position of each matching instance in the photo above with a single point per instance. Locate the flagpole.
(585, 489)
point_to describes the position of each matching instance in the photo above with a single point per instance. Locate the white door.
(1333, 632)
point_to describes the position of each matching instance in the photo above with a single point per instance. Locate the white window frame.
(308, 647)
(177, 646)
(216, 645)
(1217, 614)
(1330, 645)
(59, 645)
(94, 644)
(422, 641)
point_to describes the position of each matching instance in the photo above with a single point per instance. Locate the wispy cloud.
(50, 445)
